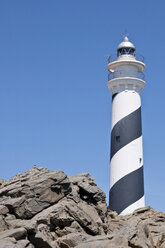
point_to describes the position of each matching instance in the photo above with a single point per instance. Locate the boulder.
(29, 193)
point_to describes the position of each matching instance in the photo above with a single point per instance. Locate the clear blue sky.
(55, 106)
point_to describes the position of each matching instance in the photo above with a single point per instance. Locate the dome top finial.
(125, 38)
(125, 43)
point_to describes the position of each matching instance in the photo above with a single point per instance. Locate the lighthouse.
(126, 82)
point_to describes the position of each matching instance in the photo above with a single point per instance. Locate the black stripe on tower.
(126, 191)
(113, 96)
(126, 130)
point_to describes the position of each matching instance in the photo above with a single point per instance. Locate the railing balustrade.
(111, 76)
(114, 57)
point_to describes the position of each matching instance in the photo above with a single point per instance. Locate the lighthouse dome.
(126, 47)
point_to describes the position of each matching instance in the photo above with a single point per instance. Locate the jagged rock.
(29, 225)
(15, 233)
(3, 225)
(29, 193)
(73, 239)
(8, 243)
(1, 181)
(3, 209)
(85, 188)
(105, 242)
(46, 209)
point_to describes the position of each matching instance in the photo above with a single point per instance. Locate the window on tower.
(117, 138)
(126, 51)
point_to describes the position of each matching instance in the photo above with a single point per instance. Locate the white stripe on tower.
(126, 173)
(132, 207)
(128, 156)
(123, 106)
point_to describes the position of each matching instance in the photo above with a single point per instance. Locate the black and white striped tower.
(126, 83)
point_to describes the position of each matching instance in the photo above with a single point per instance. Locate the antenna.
(126, 34)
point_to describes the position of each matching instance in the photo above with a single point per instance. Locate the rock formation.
(46, 209)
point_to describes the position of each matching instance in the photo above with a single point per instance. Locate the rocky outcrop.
(46, 209)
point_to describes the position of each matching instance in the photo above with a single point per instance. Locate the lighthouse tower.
(126, 82)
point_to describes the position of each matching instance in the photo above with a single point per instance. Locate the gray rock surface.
(46, 209)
